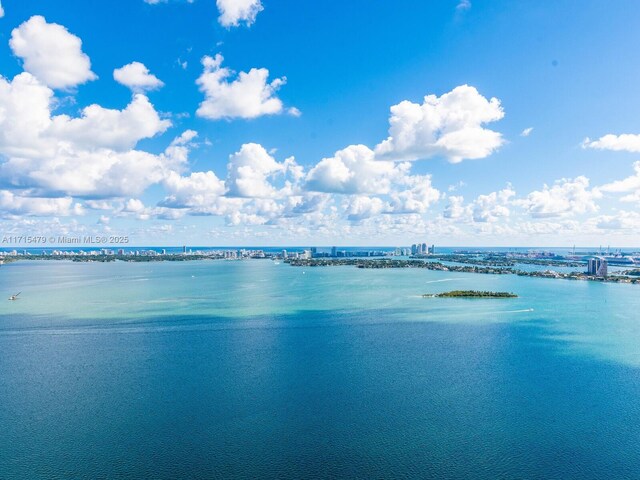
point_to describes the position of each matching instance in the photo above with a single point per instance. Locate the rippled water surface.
(251, 369)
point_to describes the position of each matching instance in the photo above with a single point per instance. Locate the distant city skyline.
(257, 122)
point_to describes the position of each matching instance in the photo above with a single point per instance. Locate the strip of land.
(438, 266)
(470, 294)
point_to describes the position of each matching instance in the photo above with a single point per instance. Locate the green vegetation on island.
(470, 294)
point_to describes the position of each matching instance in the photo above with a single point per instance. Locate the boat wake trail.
(443, 280)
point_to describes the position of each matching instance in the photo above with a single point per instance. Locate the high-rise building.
(284, 254)
(424, 248)
(414, 249)
(334, 251)
(597, 266)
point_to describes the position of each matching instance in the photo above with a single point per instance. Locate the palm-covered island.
(470, 294)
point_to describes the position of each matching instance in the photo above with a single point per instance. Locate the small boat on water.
(14, 297)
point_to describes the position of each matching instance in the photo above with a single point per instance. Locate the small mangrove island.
(470, 294)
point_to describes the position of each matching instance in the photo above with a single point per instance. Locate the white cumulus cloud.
(455, 208)
(51, 53)
(13, 204)
(354, 170)
(360, 207)
(450, 126)
(249, 172)
(626, 142)
(493, 207)
(622, 220)
(137, 77)
(630, 186)
(234, 12)
(199, 189)
(100, 127)
(91, 155)
(356, 173)
(564, 197)
(249, 95)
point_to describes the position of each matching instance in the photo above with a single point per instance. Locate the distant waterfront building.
(597, 266)
(284, 254)
(164, 251)
(421, 249)
(184, 249)
(334, 251)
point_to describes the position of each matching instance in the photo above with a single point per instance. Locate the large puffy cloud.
(565, 197)
(199, 189)
(99, 127)
(51, 53)
(629, 186)
(91, 155)
(99, 173)
(233, 12)
(25, 114)
(492, 207)
(622, 220)
(360, 207)
(250, 169)
(12, 204)
(485, 209)
(416, 195)
(455, 208)
(257, 190)
(626, 142)
(250, 95)
(354, 170)
(137, 77)
(450, 126)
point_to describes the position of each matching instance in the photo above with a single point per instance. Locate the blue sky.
(255, 162)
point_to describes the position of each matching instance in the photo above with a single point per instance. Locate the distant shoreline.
(438, 266)
(489, 267)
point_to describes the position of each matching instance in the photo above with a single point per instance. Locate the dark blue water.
(313, 395)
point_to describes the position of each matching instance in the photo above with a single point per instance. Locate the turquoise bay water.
(253, 369)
